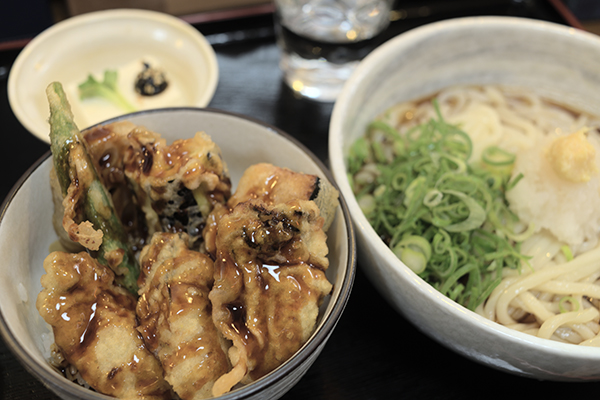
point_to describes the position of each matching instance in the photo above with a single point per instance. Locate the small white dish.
(554, 61)
(114, 39)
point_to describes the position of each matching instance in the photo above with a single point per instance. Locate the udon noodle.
(556, 294)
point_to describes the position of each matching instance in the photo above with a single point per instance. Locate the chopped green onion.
(514, 181)
(567, 252)
(427, 190)
(414, 251)
(367, 204)
(574, 304)
(413, 259)
(496, 156)
(433, 198)
(476, 214)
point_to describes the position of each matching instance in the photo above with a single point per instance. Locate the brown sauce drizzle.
(147, 160)
(238, 320)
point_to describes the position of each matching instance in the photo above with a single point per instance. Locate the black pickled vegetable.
(150, 81)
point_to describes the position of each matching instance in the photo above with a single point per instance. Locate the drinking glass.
(322, 41)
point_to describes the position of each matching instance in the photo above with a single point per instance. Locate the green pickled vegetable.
(443, 215)
(106, 89)
(68, 149)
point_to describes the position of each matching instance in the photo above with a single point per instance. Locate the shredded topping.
(573, 157)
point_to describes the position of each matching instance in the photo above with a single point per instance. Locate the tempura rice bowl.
(554, 61)
(26, 234)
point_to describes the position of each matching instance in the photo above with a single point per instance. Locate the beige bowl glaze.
(553, 60)
(26, 233)
(113, 39)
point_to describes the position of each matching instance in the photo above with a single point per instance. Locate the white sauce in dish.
(91, 111)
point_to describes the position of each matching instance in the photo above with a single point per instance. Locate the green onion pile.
(446, 218)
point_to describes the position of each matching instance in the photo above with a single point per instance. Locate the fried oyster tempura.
(174, 187)
(269, 282)
(94, 326)
(175, 315)
(177, 184)
(275, 185)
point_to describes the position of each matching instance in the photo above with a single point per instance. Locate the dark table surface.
(374, 353)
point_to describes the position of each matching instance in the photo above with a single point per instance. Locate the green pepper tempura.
(445, 216)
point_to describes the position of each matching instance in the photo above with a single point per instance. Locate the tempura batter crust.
(269, 282)
(175, 316)
(94, 326)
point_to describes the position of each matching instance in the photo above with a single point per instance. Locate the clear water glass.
(322, 41)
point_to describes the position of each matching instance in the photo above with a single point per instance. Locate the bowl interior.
(116, 39)
(26, 234)
(554, 61)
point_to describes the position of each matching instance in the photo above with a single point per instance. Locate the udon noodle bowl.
(543, 276)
